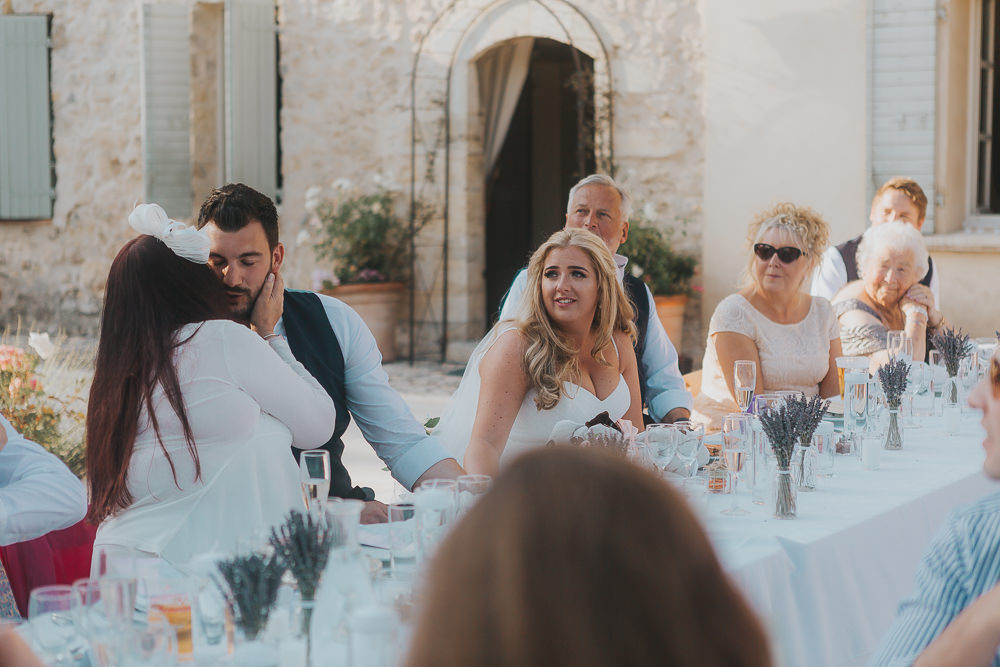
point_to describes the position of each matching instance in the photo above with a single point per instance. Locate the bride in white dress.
(567, 355)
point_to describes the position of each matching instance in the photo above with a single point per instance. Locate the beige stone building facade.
(488, 110)
(367, 90)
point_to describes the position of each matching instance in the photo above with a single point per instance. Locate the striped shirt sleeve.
(962, 563)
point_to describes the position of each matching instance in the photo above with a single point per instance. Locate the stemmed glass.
(899, 345)
(736, 431)
(51, 610)
(744, 380)
(661, 439)
(314, 474)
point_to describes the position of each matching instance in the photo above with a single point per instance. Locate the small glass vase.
(804, 466)
(893, 434)
(951, 393)
(783, 491)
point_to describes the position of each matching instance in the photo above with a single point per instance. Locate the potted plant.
(366, 235)
(666, 270)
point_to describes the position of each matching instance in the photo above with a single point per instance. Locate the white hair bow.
(187, 242)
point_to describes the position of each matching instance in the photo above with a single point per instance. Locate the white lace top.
(792, 356)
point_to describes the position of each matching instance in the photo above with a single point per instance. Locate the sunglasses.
(786, 254)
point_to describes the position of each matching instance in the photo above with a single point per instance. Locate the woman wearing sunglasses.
(792, 337)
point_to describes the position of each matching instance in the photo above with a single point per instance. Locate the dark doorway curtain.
(548, 148)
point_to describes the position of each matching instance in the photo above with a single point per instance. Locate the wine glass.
(689, 437)
(744, 380)
(905, 349)
(736, 432)
(892, 341)
(661, 439)
(51, 610)
(855, 400)
(314, 474)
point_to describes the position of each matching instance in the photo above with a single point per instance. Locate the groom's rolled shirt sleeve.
(384, 418)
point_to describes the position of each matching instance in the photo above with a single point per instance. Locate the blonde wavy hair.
(805, 225)
(550, 359)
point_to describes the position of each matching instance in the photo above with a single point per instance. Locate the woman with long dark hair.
(191, 415)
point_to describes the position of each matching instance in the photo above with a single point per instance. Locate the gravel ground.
(426, 388)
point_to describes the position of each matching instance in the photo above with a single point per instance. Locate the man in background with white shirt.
(600, 205)
(899, 199)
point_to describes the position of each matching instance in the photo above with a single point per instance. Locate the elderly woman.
(891, 260)
(792, 337)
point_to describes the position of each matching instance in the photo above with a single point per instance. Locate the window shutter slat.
(25, 119)
(903, 93)
(166, 108)
(251, 95)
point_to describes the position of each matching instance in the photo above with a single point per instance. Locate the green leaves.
(365, 238)
(653, 258)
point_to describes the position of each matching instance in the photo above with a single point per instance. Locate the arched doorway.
(448, 173)
(548, 146)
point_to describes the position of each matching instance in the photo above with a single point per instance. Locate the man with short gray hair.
(600, 205)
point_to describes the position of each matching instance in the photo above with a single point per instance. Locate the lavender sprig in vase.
(894, 377)
(780, 424)
(804, 468)
(953, 345)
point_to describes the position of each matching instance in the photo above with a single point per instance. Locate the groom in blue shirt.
(326, 336)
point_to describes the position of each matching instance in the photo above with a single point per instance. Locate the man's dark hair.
(235, 205)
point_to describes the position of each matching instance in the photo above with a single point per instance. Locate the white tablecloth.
(828, 582)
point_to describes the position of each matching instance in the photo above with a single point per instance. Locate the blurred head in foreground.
(577, 557)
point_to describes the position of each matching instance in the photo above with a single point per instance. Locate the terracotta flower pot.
(378, 305)
(670, 310)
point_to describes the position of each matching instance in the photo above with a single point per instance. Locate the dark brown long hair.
(577, 557)
(150, 294)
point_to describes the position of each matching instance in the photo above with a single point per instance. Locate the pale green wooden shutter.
(25, 119)
(166, 108)
(903, 99)
(251, 95)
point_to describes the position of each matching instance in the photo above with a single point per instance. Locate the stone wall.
(345, 68)
(52, 272)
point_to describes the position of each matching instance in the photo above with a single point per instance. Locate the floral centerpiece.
(894, 376)
(812, 415)
(302, 546)
(53, 419)
(252, 584)
(953, 345)
(784, 426)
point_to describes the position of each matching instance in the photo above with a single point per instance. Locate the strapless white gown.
(532, 426)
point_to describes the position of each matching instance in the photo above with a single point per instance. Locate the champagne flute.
(744, 380)
(904, 350)
(314, 474)
(893, 340)
(736, 431)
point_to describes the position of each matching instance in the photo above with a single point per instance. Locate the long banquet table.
(828, 582)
